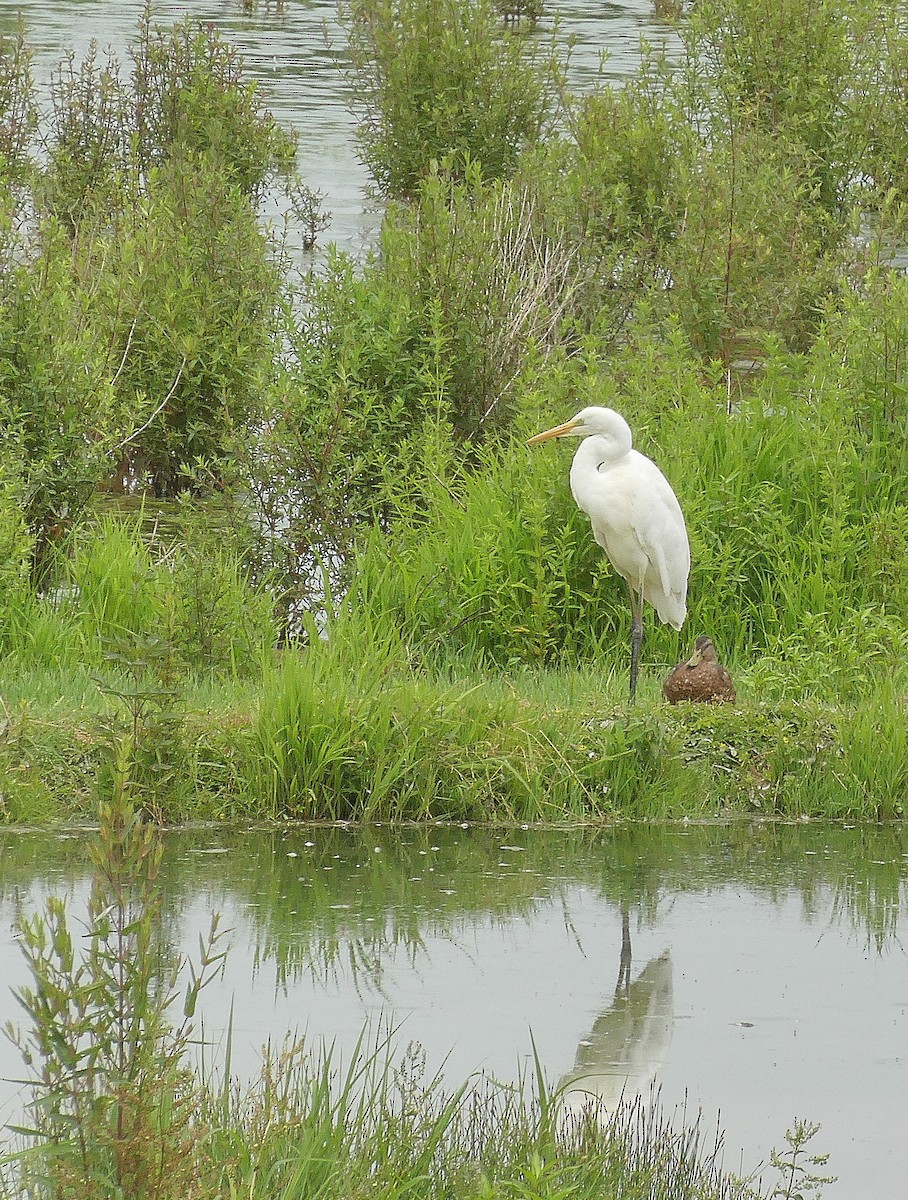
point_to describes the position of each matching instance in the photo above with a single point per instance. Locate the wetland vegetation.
(332, 581)
(273, 547)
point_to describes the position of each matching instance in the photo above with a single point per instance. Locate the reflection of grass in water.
(873, 899)
(390, 887)
(352, 896)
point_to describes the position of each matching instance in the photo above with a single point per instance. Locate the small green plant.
(795, 1165)
(18, 113)
(151, 752)
(113, 1098)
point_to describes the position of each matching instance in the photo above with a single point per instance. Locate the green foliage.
(879, 89)
(392, 747)
(88, 141)
(611, 194)
(387, 1129)
(163, 176)
(122, 586)
(487, 285)
(15, 541)
(113, 1098)
(749, 262)
(186, 106)
(796, 1167)
(54, 370)
(192, 312)
(151, 753)
(340, 434)
(442, 82)
(18, 113)
(498, 569)
(786, 69)
(193, 104)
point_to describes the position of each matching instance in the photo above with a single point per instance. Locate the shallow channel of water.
(755, 972)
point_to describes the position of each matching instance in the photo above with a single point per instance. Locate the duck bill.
(695, 659)
(557, 431)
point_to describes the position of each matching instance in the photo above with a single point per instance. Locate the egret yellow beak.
(557, 431)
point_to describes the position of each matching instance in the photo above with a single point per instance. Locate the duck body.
(701, 679)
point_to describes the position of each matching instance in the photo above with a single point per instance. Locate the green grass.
(313, 737)
(381, 1128)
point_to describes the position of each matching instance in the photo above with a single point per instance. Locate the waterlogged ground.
(295, 52)
(758, 973)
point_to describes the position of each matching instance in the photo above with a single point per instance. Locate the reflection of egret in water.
(623, 1052)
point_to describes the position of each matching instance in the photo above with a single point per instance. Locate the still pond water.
(758, 973)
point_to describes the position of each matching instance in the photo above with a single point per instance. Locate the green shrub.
(191, 304)
(787, 69)
(187, 103)
(164, 173)
(193, 103)
(487, 284)
(15, 541)
(441, 81)
(18, 112)
(59, 417)
(750, 263)
(88, 143)
(610, 193)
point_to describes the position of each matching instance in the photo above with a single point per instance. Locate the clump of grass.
(126, 582)
(379, 1124)
(390, 745)
(859, 768)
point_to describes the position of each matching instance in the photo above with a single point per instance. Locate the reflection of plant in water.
(873, 897)
(340, 899)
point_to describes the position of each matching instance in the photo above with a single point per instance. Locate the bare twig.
(157, 411)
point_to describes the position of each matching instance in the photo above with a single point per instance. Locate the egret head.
(592, 422)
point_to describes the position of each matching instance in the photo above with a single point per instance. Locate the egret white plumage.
(635, 515)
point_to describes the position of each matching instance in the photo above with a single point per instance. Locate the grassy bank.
(312, 737)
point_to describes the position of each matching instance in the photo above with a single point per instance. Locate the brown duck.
(702, 678)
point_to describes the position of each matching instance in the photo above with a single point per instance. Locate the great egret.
(635, 515)
(701, 678)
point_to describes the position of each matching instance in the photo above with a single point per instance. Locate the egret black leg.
(636, 634)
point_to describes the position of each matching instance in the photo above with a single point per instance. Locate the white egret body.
(635, 515)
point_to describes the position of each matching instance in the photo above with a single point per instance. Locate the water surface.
(295, 52)
(758, 973)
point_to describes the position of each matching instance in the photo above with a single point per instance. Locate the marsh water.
(756, 973)
(294, 49)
